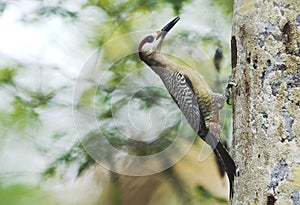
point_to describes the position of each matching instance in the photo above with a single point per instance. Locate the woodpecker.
(191, 93)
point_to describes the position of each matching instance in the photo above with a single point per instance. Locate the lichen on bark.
(266, 101)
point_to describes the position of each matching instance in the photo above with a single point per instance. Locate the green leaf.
(40, 98)
(59, 134)
(23, 113)
(7, 75)
(75, 155)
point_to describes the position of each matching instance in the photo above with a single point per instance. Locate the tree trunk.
(266, 101)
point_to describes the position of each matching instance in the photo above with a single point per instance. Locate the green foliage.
(94, 142)
(76, 155)
(56, 11)
(28, 104)
(119, 9)
(121, 15)
(177, 5)
(59, 134)
(103, 99)
(121, 68)
(23, 113)
(7, 75)
(112, 8)
(19, 194)
(225, 5)
(41, 99)
(118, 14)
(88, 96)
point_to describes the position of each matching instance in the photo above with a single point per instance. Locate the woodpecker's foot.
(228, 92)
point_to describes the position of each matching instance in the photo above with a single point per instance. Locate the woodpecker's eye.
(149, 39)
(145, 44)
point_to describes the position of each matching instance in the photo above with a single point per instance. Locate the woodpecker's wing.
(181, 90)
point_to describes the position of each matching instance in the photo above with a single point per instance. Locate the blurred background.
(63, 63)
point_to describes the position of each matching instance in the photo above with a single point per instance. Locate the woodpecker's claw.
(228, 92)
(231, 84)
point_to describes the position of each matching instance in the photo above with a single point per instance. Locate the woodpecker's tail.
(228, 164)
(222, 155)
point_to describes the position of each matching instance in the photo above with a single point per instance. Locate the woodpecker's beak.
(170, 25)
(161, 34)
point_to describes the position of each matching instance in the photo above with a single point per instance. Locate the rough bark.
(266, 101)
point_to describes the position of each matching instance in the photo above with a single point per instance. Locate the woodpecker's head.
(153, 42)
